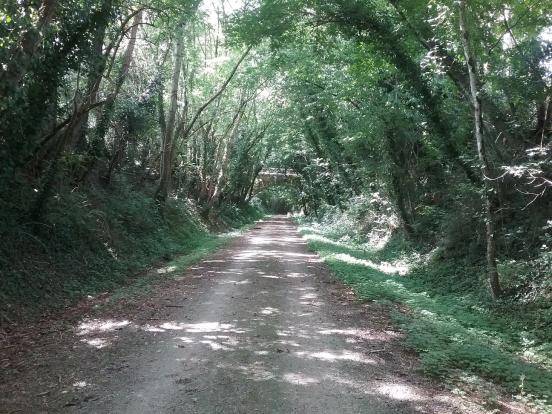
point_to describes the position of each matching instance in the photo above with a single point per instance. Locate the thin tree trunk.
(107, 111)
(80, 125)
(251, 187)
(216, 94)
(172, 131)
(489, 190)
(225, 159)
(453, 69)
(167, 145)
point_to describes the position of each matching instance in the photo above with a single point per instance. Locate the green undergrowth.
(460, 334)
(206, 244)
(99, 242)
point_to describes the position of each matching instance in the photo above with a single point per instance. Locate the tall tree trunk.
(173, 130)
(251, 186)
(489, 190)
(399, 180)
(167, 140)
(107, 112)
(77, 124)
(80, 125)
(223, 158)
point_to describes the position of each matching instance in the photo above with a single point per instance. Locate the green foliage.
(83, 105)
(449, 319)
(96, 241)
(237, 216)
(364, 102)
(278, 199)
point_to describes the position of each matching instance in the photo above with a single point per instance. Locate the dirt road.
(259, 327)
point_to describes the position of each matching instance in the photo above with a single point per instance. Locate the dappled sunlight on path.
(260, 326)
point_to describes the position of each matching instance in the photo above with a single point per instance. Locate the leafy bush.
(237, 216)
(365, 219)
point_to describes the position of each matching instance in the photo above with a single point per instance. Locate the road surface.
(260, 326)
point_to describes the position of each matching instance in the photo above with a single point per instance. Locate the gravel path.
(258, 327)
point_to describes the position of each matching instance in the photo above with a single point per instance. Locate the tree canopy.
(436, 115)
(428, 121)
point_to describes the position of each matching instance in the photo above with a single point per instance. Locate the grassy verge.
(461, 336)
(96, 242)
(205, 245)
